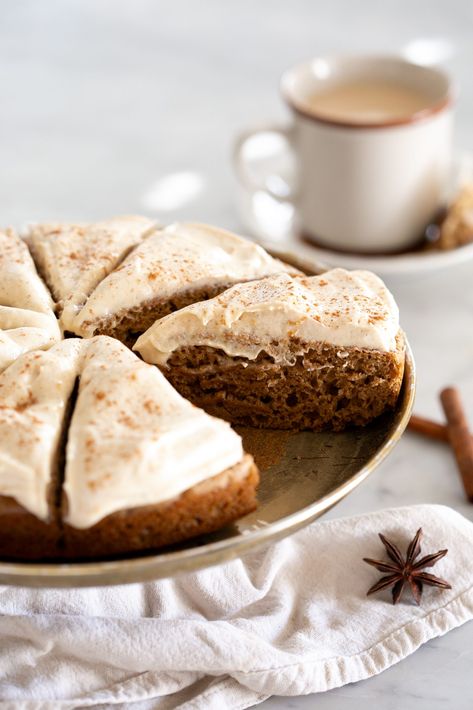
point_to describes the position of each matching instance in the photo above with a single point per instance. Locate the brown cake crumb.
(321, 390)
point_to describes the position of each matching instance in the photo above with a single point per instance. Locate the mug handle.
(264, 160)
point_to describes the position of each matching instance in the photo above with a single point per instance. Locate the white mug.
(356, 187)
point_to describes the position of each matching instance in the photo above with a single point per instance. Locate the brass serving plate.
(303, 474)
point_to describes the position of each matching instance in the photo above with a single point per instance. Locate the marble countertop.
(104, 103)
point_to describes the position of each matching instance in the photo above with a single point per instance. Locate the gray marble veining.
(101, 101)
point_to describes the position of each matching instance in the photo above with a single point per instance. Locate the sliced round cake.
(104, 454)
(286, 352)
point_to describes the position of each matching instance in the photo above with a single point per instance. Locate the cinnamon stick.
(459, 436)
(428, 428)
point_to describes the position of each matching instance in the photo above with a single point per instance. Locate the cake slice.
(144, 467)
(286, 352)
(35, 392)
(74, 258)
(99, 455)
(174, 267)
(27, 320)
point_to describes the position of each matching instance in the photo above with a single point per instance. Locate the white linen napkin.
(287, 620)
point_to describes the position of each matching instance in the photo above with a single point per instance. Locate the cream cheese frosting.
(343, 308)
(134, 440)
(170, 262)
(27, 320)
(74, 258)
(34, 394)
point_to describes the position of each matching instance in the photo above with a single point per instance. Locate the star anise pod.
(401, 571)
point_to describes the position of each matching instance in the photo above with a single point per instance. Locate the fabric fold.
(290, 619)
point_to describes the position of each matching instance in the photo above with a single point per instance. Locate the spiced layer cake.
(170, 269)
(27, 320)
(99, 455)
(74, 258)
(286, 352)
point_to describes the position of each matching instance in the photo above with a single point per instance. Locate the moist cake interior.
(286, 352)
(261, 393)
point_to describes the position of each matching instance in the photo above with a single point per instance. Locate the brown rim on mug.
(437, 106)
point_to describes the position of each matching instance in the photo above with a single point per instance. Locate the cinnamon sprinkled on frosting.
(141, 443)
(349, 309)
(74, 258)
(169, 263)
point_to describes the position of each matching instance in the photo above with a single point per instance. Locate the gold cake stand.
(303, 475)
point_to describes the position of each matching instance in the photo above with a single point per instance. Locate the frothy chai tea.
(367, 102)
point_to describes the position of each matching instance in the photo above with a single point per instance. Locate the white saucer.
(272, 224)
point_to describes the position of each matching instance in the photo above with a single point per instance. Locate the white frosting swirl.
(344, 308)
